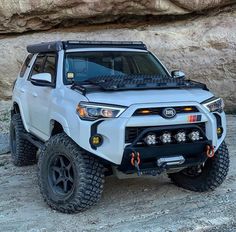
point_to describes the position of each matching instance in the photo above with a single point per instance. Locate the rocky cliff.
(198, 37)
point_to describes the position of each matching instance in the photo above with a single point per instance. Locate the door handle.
(34, 94)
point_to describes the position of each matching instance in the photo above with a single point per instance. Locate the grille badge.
(168, 113)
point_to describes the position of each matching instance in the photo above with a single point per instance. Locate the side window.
(50, 65)
(38, 65)
(25, 65)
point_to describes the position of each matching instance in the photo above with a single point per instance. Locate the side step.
(32, 139)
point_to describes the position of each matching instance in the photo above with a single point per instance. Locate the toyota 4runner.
(87, 109)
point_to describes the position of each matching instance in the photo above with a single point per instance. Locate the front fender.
(60, 119)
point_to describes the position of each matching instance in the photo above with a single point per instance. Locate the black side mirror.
(177, 74)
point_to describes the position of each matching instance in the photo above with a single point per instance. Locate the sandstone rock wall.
(26, 15)
(203, 46)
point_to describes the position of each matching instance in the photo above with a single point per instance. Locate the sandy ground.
(143, 204)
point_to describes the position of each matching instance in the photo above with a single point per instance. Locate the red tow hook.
(135, 161)
(210, 151)
(133, 158)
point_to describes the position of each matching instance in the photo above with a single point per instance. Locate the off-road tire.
(22, 151)
(213, 173)
(88, 176)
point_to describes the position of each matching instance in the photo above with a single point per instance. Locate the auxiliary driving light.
(166, 137)
(180, 137)
(150, 139)
(96, 140)
(194, 135)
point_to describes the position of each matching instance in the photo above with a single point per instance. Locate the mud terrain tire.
(212, 174)
(69, 179)
(22, 151)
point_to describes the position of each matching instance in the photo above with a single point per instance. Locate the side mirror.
(177, 74)
(42, 79)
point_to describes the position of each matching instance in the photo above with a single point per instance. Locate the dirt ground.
(143, 204)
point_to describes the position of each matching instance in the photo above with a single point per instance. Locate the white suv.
(93, 109)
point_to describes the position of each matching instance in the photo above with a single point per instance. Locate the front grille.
(131, 133)
(158, 110)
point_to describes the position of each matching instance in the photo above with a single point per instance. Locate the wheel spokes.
(62, 174)
(58, 180)
(62, 161)
(56, 169)
(65, 186)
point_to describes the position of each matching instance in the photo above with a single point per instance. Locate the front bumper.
(194, 154)
(114, 147)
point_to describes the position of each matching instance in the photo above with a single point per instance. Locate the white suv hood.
(127, 98)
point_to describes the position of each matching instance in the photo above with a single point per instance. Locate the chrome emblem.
(168, 112)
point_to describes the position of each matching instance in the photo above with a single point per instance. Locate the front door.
(40, 97)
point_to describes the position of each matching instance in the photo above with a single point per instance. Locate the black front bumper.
(193, 153)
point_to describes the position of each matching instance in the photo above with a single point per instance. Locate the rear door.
(40, 97)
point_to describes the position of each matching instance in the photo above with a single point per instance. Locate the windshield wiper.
(81, 86)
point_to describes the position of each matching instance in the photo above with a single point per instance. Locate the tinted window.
(50, 65)
(25, 65)
(85, 65)
(38, 65)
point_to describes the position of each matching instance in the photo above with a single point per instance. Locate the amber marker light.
(81, 111)
(187, 109)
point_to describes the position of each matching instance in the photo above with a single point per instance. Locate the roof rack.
(55, 46)
(72, 44)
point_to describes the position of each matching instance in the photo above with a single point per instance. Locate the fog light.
(194, 135)
(166, 137)
(150, 139)
(219, 130)
(180, 137)
(96, 140)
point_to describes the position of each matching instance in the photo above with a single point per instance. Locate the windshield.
(82, 66)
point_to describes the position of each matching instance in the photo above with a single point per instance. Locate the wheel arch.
(17, 109)
(58, 124)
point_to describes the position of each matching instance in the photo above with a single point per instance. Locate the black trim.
(42, 83)
(158, 110)
(194, 154)
(45, 55)
(93, 131)
(25, 65)
(80, 88)
(142, 131)
(209, 100)
(35, 141)
(132, 82)
(110, 44)
(57, 46)
(219, 124)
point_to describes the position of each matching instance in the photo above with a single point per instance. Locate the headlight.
(214, 104)
(93, 111)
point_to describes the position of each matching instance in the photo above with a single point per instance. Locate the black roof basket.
(73, 44)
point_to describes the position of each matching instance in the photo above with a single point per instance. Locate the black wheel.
(205, 177)
(69, 179)
(22, 151)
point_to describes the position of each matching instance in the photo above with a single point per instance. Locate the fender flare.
(18, 102)
(60, 119)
